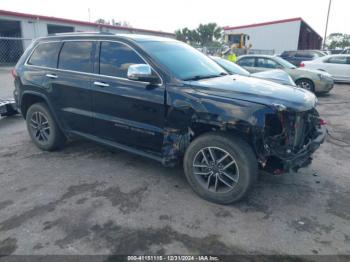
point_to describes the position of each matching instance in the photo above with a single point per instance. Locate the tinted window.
(266, 63)
(45, 55)
(337, 60)
(304, 54)
(115, 59)
(76, 56)
(288, 54)
(249, 61)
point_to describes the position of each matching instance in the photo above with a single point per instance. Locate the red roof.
(70, 21)
(265, 23)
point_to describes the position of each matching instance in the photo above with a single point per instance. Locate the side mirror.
(142, 72)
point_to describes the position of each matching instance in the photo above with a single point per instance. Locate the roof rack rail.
(85, 33)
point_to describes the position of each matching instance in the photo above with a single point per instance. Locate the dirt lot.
(87, 199)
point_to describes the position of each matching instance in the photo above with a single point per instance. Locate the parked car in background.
(296, 57)
(337, 65)
(163, 99)
(274, 75)
(313, 80)
(346, 51)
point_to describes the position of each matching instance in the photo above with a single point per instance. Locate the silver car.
(313, 80)
(275, 75)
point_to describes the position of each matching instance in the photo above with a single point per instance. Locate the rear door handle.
(101, 84)
(51, 76)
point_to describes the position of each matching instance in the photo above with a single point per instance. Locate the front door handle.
(51, 76)
(101, 84)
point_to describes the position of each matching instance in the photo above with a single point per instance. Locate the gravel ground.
(88, 199)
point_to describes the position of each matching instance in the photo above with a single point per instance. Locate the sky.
(169, 15)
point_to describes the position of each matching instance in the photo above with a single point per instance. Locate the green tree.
(209, 33)
(338, 40)
(204, 35)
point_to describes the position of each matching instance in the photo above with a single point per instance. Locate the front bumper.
(324, 86)
(303, 157)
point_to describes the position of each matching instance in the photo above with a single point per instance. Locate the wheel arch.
(29, 98)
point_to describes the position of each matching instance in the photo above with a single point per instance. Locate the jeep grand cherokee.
(162, 99)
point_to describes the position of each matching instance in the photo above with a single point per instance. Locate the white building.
(14, 25)
(281, 35)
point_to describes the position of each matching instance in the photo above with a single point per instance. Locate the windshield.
(284, 63)
(182, 60)
(232, 68)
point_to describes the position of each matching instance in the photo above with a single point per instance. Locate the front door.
(125, 111)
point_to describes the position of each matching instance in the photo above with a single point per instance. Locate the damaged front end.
(289, 139)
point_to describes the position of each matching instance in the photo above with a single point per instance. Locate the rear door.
(126, 112)
(70, 85)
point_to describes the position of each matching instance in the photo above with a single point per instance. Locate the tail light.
(322, 122)
(302, 65)
(14, 73)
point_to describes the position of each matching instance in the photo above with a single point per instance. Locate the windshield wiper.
(199, 77)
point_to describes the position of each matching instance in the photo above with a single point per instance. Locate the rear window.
(45, 55)
(76, 56)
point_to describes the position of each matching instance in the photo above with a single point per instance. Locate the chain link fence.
(11, 49)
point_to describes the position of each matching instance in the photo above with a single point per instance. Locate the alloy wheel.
(40, 127)
(216, 169)
(305, 85)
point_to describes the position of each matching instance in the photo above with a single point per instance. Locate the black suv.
(296, 57)
(162, 99)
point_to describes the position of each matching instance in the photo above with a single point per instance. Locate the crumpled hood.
(257, 91)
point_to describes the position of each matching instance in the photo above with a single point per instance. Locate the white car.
(336, 65)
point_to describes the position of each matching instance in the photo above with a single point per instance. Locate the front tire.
(306, 84)
(43, 129)
(220, 168)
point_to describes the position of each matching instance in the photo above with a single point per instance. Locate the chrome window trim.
(92, 74)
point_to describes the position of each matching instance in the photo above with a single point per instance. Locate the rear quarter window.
(45, 55)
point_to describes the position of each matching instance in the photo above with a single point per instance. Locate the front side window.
(337, 60)
(45, 55)
(249, 61)
(76, 56)
(115, 59)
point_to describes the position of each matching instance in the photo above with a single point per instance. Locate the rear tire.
(220, 168)
(43, 129)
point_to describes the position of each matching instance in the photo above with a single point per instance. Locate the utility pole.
(325, 33)
(89, 14)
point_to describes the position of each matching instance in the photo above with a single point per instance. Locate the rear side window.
(45, 55)
(76, 56)
(115, 59)
(249, 61)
